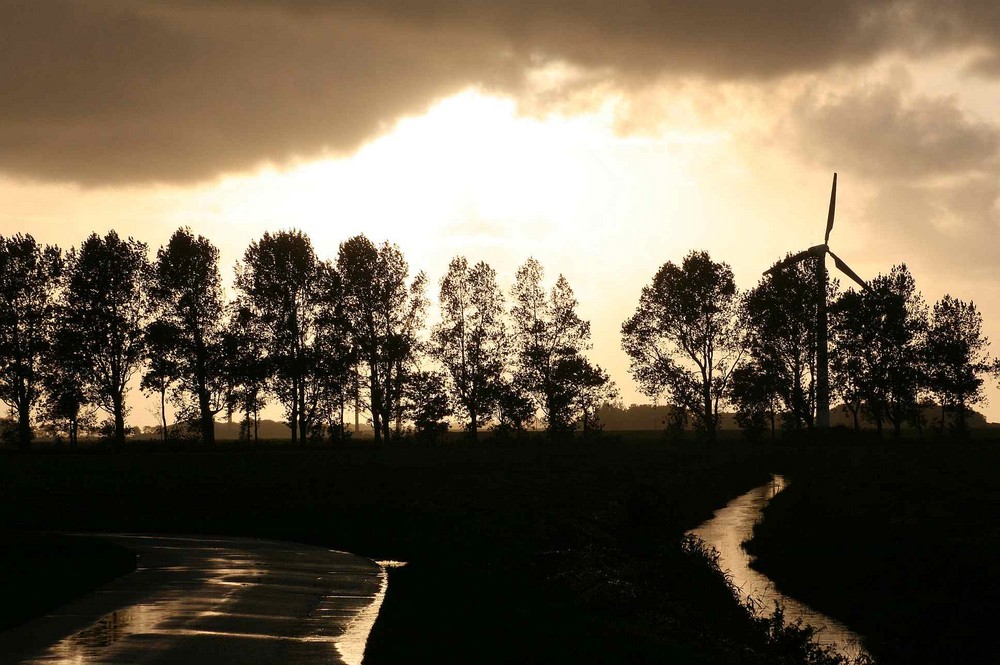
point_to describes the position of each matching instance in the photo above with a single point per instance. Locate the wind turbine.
(819, 252)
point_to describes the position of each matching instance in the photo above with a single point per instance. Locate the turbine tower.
(819, 252)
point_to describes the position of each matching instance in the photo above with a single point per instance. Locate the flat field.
(527, 553)
(542, 552)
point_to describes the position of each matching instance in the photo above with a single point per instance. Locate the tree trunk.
(163, 413)
(301, 397)
(24, 427)
(207, 417)
(119, 433)
(293, 421)
(709, 416)
(960, 418)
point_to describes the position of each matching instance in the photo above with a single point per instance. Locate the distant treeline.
(323, 338)
(320, 338)
(645, 417)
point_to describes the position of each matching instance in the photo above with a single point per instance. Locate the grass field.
(531, 553)
(547, 553)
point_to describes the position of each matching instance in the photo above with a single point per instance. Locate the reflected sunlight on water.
(727, 530)
(254, 601)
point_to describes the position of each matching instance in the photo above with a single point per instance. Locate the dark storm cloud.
(97, 94)
(115, 91)
(875, 131)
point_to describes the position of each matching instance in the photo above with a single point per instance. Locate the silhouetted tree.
(186, 293)
(586, 387)
(850, 364)
(514, 409)
(66, 406)
(877, 339)
(549, 340)
(29, 278)
(247, 367)
(957, 358)
(286, 288)
(427, 404)
(780, 316)
(162, 366)
(471, 341)
(66, 401)
(103, 315)
(755, 395)
(332, 359)
(384, 315)
(684, 340)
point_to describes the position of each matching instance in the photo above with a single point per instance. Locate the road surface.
(213, 600)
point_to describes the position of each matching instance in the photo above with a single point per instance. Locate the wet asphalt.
(213, 600)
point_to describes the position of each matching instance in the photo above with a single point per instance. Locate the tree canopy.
(684, 340)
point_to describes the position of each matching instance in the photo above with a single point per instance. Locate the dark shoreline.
(41, 571)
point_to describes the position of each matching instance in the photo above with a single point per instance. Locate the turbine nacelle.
(820, 251)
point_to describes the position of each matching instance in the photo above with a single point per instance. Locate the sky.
(604, 139)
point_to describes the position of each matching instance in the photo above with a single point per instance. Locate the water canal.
(727, 530)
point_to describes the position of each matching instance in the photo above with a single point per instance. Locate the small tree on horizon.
(957, 358)
(162, 367)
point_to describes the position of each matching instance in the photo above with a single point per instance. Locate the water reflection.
(727, 530)
(108, 630)
(191, 600)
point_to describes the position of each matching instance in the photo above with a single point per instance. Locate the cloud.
(878, 131)
(123, 91)
(99, 93)
(947, 226)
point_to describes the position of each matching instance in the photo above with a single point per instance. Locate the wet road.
(213, 600)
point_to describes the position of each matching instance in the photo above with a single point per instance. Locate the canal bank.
(898, 540)
(726, 532)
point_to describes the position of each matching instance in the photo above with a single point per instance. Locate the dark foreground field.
(900, 541)
(539, 553)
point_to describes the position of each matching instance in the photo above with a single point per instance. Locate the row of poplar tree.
(701, 343)
(317, 337)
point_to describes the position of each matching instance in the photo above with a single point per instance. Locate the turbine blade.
(795, 258)
(846, 269)
(833, 208)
